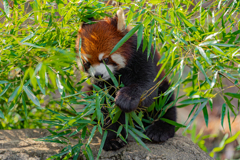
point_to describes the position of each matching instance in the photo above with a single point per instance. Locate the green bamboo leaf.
(189, 24)
(139, 133)
(229, 120)
(28, 37)
(196, 113)
(2, 82)
(52, 76)
(24, 106)
(31, 45)
(31, 96)
(173, 122)
(224, 45)
(160, 20)
(234, 95)
(223, 113)
(5, 89)
(92, 134)
(33, 77)
(99, 129)
(59, 84)
(112, 76)
(125, 38)
(138, 140)
(139, 37)
(98, 107)
(89, 152)
(165, 63)
(193, 101)
(201, 51)
(6, 7)
(150, 39)
(137, 119)
(233, 138)
(77, 130)
(229, 105)
(2, 115)
(207, 43)
(205, 114)
(117, 115)
(221, 146)
(130, 14)
(126, 122)
(214, 79)
(43, 90)
(42, 74)
(102, 144)
(13, 95)
(119, 129)
(204, 73)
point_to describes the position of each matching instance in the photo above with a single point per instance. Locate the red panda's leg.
(161, 131)
(112, 141)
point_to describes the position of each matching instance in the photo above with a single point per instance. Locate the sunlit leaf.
(31, 96)
(125, 38)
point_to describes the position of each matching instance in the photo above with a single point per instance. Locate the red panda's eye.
(106, 60)
(87, 65)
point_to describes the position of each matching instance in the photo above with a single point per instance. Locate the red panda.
(137, 74)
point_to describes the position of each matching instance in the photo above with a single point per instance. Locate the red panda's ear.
(121, 20)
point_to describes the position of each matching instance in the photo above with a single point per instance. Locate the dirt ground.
(21, 145)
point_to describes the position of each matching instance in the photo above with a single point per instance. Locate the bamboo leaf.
(98, 107)
(31, 96)
(138, 140)
(223, 113)
(173, 122)
(136, 118)
(6, 7)
(196, 113)
(102, 143)
(234, 95)
(204, 73)
(5, 89)
(205, 114)
(2, 82)
(112, 76)
(125, 38)
(139, 38)
(13, 95)
(201, 51)
(92, 134)
(89, 152)
(2, 115)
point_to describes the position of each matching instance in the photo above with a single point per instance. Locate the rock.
(20, 145)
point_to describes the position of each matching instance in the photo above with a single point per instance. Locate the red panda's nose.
(98, 75)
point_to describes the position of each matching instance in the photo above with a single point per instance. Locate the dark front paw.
(126, 100)
(160, 131)
(113, 144)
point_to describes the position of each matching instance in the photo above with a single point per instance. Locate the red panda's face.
(98, 40)
(96, 67)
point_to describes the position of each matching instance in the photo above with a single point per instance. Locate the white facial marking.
(120, 60)
(91, 71)
(101, 69)
(100, 56)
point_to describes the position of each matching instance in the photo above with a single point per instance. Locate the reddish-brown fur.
(101, 37)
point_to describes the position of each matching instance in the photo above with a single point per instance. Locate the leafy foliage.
(199, 51)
